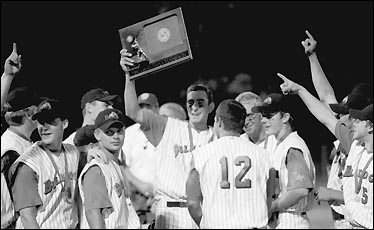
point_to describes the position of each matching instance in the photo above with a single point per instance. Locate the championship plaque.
(156, 43)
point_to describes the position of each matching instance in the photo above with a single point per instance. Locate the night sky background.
(70, 47)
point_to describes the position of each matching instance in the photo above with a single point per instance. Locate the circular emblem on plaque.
(163, 35)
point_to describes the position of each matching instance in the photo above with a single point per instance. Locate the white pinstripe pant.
(292, 220)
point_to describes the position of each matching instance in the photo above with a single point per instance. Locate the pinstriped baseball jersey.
(334, 182)
(9, 141)
(173, 167)
(57, 211)
(358, 210)
(233, 176)
(293, 140)
(118, 217)
(270, 143)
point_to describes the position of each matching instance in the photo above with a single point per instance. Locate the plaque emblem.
(163, 35)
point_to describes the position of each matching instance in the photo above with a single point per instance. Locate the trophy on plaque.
(156, 43)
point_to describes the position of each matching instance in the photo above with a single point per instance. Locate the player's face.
(52, 132)
(360, 129)
(197, 107)
(99, 106)
(273, 123)
(252, 125)
(347, 120)
(112, 139)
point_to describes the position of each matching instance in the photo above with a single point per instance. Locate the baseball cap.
(50, 109)
(85, 135)
(148, 99)
(21, 98)
(352, 101)
(97, 94)
(364, 114)
(273, 103)
(108, 117)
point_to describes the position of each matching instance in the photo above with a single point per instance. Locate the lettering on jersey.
(119, 188)
(362, 174)
(182, 149)
(50, 185)
(348, 172)
(371, 178)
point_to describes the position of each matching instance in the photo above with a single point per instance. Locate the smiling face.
(272, 123)
(253, 125)
(360, 129)
(198, 108)
(52, 132)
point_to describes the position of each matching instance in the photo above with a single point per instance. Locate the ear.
(211, 107)
(65, 123)
(88, 107)
(97, 134)
(370, 130)
(286, 117)
(219, 122)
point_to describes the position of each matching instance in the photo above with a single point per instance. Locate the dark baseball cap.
(97, 94)
(273, 103)
(148, 99)
(352, 101)
(85, 135)
(50, 109)
(21, 98)
(366, 114)
(109, 117)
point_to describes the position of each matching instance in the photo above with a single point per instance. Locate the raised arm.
(321, 84)
(321, 112)
(11, 67)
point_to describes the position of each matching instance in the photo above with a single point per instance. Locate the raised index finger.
(309, 35)
(14, 47)
(282, 77)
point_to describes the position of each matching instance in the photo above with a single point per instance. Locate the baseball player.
(102, 185)
(47, 173)
(92, 103)
(293, 162)
(15, 140)
(358, 174)
(234, 176)
(173, 139)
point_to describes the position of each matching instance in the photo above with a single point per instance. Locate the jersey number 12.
(246, 183)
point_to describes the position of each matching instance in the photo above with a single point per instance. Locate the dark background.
(70, 47)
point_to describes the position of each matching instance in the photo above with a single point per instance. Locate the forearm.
(95, 219)
(288, 199)
(6, 80)
(195, 211)
(28, 218)
(131, 100)
(337, 196)
(321, 84)
(321, 112)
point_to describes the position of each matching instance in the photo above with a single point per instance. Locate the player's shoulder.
(70, 149)
(132, 129)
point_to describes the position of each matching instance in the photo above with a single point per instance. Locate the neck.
(369, 143)
(53, 148)
(284, 132)
(199, 126)
(23, 131)
(111, 155)
(225, 133)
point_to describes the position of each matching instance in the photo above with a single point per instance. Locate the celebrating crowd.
(153, 166)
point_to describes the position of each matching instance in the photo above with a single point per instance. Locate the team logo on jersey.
(348, 171)
(182, 149)
(50, 185)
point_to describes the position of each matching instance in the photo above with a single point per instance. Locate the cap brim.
(264, 109)
(107, 98)
(338, 108)
(356, 114)
(111, 124)
(45, 116)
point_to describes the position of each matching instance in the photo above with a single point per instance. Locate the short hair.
(249, 98)
(202, 87)
(17, 118)
(233, 115)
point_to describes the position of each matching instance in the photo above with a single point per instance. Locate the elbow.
(302, 192)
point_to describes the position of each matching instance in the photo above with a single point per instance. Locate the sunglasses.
(111, 132)
(268, 115)
(199, 103)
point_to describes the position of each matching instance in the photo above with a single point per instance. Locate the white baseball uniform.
(294, 216)
(118, 217)
(233, 176)
(57, 210)
(358, 187)
(270, 143)
(172, 170)
(10, 141)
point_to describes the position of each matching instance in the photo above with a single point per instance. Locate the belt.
(179, 204)
(297, 213)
